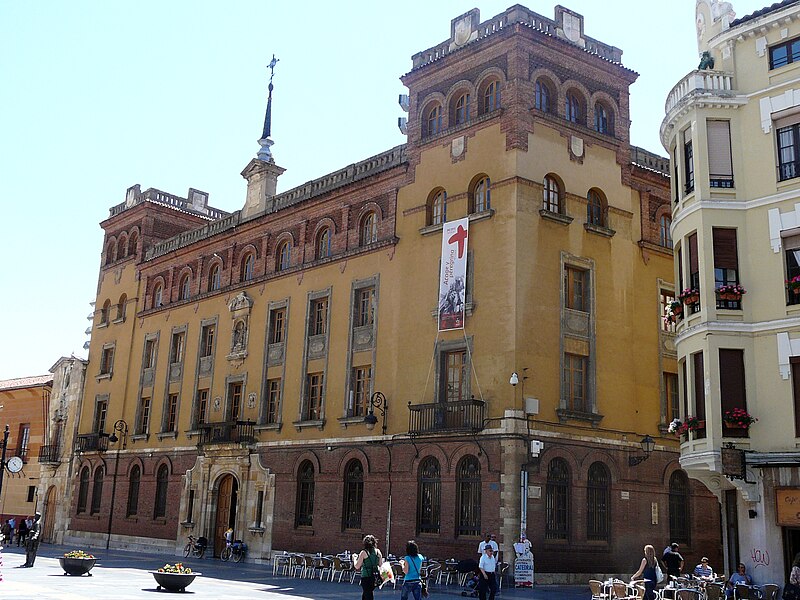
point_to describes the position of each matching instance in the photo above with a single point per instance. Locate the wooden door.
(226, 511)
(49, 515)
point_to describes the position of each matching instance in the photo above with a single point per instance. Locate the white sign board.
(523, 571)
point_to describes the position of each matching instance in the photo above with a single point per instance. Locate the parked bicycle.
(195, 547)
(235, 549)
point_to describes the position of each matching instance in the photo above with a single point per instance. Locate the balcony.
(446, 417)
(50, 454)
(228, 432)
(91, 442)
(700, 83)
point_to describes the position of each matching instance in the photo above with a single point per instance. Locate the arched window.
(214, 278)
(368, 232)
(133, 491)
(160, 504)
(353, 495)
(543, 95)
(97, 490)
(468, 490)
(186, 287)
(665, 235)
(557, 500)
(248, 267)
(104, 312)
(83, 490)
(429, 496)
(598, 498)
(111, 251)
(552, 195)
(122, 307)
(324, 243)
(481, 199)
(132, 243)
(602, 119)
(122, 246)
(679, 507)
(437, 208)
(595, 208)
(284, 254)
(461, 113)
(491, 97)
(572, 109)
(304, 514)
(433, 120)
(158, 295)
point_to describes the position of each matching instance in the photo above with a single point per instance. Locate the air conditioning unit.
(402, 124)
(403, 101)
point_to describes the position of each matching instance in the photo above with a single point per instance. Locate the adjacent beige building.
(732, 129)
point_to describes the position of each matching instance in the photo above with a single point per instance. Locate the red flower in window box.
(733, 292)
(793, 284)
(689, 296)
(738, 418)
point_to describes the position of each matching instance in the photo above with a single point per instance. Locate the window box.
(690, 296)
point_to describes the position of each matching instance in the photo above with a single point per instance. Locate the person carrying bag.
(412, 581)
(368, 560)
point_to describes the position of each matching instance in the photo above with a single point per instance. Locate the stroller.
(469, 566)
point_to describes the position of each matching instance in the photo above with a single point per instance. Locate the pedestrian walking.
(647, 571)
(412, 565)
(22, 532)
(368, 560)
(32, 542)
(488, 566)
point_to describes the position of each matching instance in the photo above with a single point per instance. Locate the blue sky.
(99, 95)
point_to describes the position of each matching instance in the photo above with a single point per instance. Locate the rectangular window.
(207, 341)
(107, 361)
(726, 263)
(688, 161)
(576, 288)
(273, 400)
(100, 410)
(694, 270)
(665, 300)
(202, 407)
(313, 404)
(176, 348)
(792, 253)
(277, 325)
(319, 316)
(260, 509)
(365, 307)
(795, 364)
(673, 409)
(675, 181)
(24, 440)
(190, 507)
(720, 162)
(149, 354)
(732, 387)
(575, 373)
(454, 376)
(234, 401)
(171, 420)
(360, 385)
(144, 416)
(699, 392)
(784, 54)
(788, 149)
(31, 493)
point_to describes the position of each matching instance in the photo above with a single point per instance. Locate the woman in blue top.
(412, 565)
(647, 571)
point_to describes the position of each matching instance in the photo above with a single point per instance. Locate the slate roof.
(764, 11)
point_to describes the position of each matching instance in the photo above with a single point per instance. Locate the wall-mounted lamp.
(648, 445)
(377, 401)
(514, 379)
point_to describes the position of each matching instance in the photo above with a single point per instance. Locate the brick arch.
(110, 254)
(153, 284)
(164, 460)
(370, 207)
(135, 461)
(669, 469)
(424, 452)
(247, 248)
(428, 100)
(552, 81)
(583, 93)
(282, 237)
(610, 104)
(184, 272)
(122, 245)
(351, 454)
(485, 78)
(303, 456)
(458, 88)
(470, 449)
(324, 222)
(604, 457)
(568, 454)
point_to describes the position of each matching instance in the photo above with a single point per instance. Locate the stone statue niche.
(240, 307)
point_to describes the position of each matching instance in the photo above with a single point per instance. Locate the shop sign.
(787, 505)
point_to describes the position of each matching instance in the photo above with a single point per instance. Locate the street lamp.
(3, 463)
(648, 444)
(377, 401)
(122, 426)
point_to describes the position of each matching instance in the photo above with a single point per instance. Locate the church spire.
(265, 153)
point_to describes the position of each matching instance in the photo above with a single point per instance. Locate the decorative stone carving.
(576, 323)
(363, 338)
(240, 302)
(275, 354)
(457, 147)
(317, 346)
(251, 400)
(175, 371)
(206, 365)
(464, 29)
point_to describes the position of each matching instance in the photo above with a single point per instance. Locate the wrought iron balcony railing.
(50, 454)
(227, 432)
(91, 442)
(461, 415)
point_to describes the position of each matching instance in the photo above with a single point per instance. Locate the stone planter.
(77, 566)
(173, 582)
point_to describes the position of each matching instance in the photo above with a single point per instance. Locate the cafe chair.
(714, 591)
(743, 591)
(769, 591)
(621, 591)
(596, 587)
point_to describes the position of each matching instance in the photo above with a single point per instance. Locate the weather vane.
(271, 66)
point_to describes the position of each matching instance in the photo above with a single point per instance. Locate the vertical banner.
(453, 275)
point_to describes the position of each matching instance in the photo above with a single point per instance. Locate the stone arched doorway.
(49, 515)
(227, 501)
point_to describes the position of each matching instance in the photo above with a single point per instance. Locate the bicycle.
(195, 547)
(236, 550)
